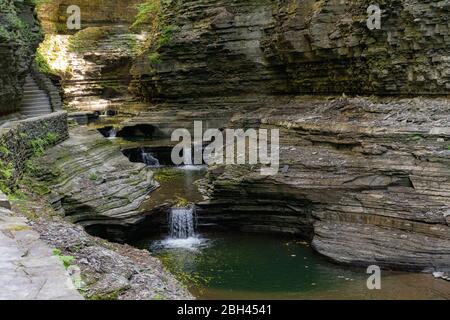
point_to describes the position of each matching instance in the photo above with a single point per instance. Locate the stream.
(235, 265)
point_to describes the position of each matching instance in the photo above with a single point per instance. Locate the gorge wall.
(366, 180)
(225, 48)
(19, 37)
(93, 63)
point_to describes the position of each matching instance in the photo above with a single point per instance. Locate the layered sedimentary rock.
(368, 179)
(126, 273)
(93, 183)
(297, 46)
(19, 37)
(93, 62)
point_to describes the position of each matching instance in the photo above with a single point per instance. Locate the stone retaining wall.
(23, 139)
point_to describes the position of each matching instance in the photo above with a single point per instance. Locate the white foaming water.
(193, 167)
(149, 159)
(191, 243)
(112, 134)
(182, 223)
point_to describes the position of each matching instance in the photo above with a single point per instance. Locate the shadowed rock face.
(19, 37)
(93, 183)
(369, 180)
(290, 46)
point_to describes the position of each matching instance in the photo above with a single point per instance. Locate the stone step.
(37, 108)
(42, 103)
(34, 114)
(35, 101)
(32, 91)
(28, 87)
(38, 97)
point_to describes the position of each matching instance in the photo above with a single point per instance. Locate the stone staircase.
(35, 102)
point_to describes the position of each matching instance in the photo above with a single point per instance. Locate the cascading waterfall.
(187, 156)
(187, 159)
(182, 223)
(112, 133)
(149, 159)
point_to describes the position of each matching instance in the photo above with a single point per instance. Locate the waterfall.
(182, 223)
(112, 133)
(187, 156)
(149, 159)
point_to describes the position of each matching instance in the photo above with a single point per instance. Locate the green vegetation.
(166, 35)
(4, 150)
(86, 38)
(113, 295)
(6, 170)
(154, 58)
(13, 28)
(176, 268)
(6, 174)
(42, 63)
(38, 145)
(152, 13)
(181, 202)
(416, 137)
(149, 12)
(51, 56)
(167, 174)
(93, 176)
(66, 260)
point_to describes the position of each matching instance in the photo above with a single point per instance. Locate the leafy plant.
(66, 260)
(166, 35)
(38, 145)
(148, 12)
(4, 150)
(154, 58)
(151, 13)
(93, 176)
(6, 173)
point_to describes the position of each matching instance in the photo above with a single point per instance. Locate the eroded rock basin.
(255, 266)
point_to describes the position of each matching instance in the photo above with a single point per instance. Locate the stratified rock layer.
(298, 46)
(93, 62)
(93, 183)
(370, 180)
(112, 271)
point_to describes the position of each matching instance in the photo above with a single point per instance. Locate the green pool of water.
(249, 266)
